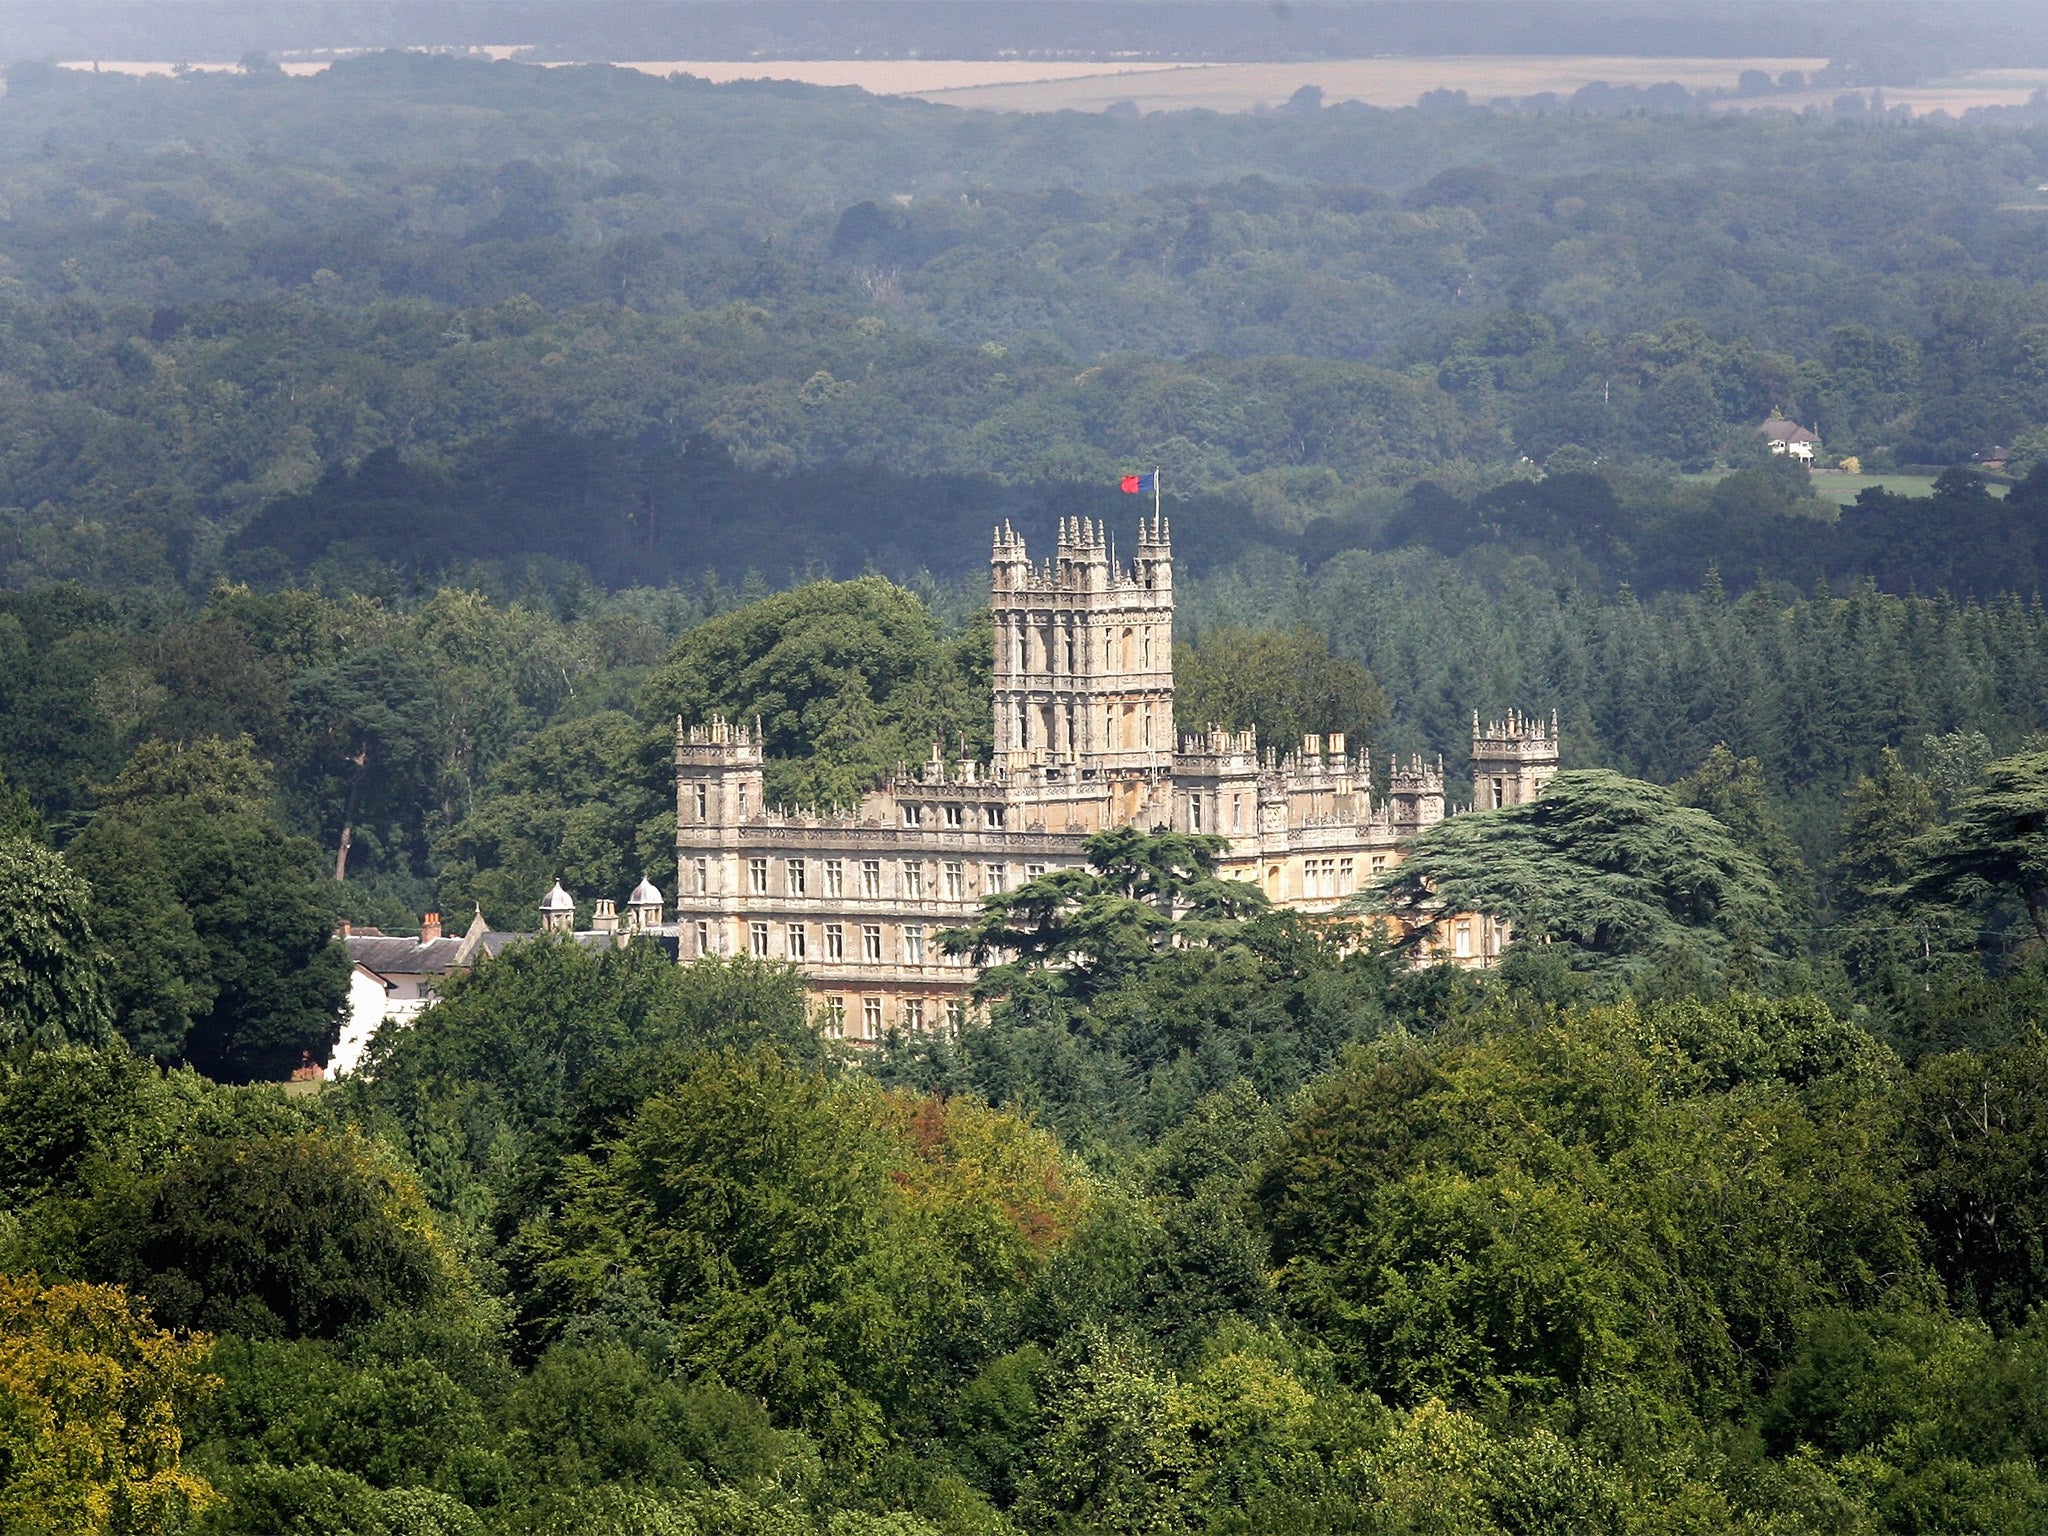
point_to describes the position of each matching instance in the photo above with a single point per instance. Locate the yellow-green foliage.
(90, 1396)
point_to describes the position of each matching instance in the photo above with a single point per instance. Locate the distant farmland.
(1091, 85)
(1381, 82)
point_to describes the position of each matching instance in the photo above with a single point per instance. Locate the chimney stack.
(430, 927)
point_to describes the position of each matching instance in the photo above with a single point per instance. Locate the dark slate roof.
(402, 957)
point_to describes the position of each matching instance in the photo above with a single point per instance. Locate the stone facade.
(1083, 713)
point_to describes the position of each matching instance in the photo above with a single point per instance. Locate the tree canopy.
(1609, 866)
(53, 982)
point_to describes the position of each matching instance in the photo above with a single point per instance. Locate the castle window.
(913, 944)
(835, 941)
(1462, 939)
(743, 802)
(795, 874)
(956, 1015)
(835, 1017)
(1033, 871)
(793, 942)
(835, 877)
(1347, 877)
(1148, 648)
(956, 880)
(1500, 790)
(757, 876)
(871, 943)
(992, 879)
(1237, 813)
(1127, 650)
(1148, 725)
(871, 879)
(702, 805)
(913, 815)
(913, 878)
(757, 940)
(953, 815)
(870, 1017)
(913, 1014)
(703, 876)
(1379, 863)
(1070, 653)
(1194, 813)
(703, 940)
(993, 815)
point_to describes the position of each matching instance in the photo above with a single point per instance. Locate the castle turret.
(1513, 760)
(557, 911)
(644, 906)
(1415, 793)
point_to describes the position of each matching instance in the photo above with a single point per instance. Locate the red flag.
(1130, 485)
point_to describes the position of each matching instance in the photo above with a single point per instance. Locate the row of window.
(1047, 725)
(1055, 642)
(836, 942)
(952, 815)
(948, 815)
(914, 1015)
(911, 881)
(702, 795)
(1335, 876)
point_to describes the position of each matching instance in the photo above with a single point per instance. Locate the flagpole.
(1155, 493)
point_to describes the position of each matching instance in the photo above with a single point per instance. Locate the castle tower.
(1084, 650)
(718, 776)
(1513, 760)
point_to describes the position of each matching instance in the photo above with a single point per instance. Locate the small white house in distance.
(392, 979)
(1787, 437)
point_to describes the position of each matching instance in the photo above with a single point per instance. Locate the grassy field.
(1833, 485)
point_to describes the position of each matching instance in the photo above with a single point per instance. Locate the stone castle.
(1085, 741)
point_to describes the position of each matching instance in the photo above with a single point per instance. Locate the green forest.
(390, 457)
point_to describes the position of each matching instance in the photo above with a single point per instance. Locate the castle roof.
(388, 956)
(558, 900)
(645, 894)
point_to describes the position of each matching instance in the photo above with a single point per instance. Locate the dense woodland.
(388, 459)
